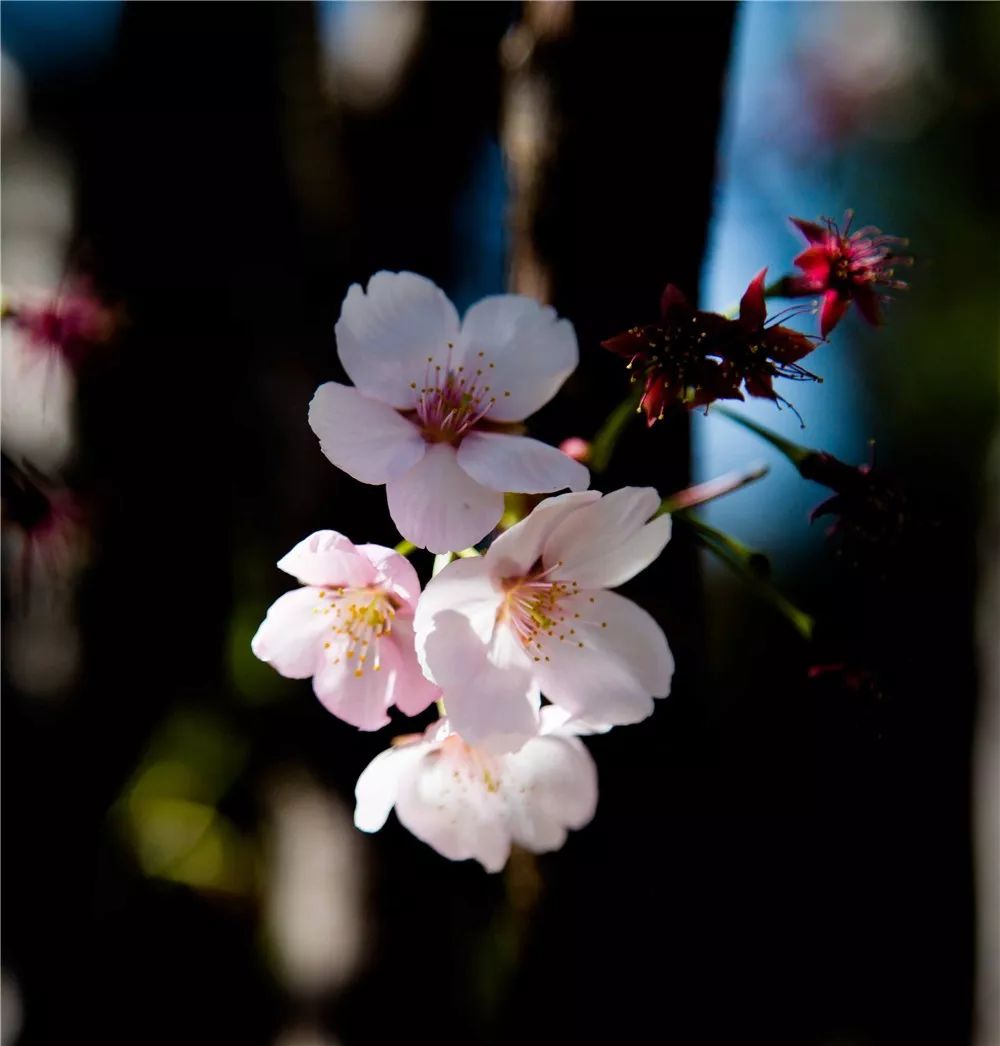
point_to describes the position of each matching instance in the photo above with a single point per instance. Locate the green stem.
(603, 445)
(752, 567)
(795, 453)
(405, 548)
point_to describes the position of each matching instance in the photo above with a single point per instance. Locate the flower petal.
(412, 690)
(867, 302)
(753, 311)
(491, 698)
(604, 544)
(612, 664)
(384, 337)
(448, 800)
(519, 464)
(525, 350)
(290, 637)
(355, 691)
(378, 784)
(812, 231)
(437, 505)
(834, 307)
(366, 438)
(328, 558)
(517, 549)
(394, 573)
(466, 586)
(550, 785)
(815, 265)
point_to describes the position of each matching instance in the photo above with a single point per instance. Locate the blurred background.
(800, 846)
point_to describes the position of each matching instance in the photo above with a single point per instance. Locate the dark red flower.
(756, 354)
(872, 513)
(694, 358)
(671, 358)
(843, 267)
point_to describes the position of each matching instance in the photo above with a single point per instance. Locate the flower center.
(453, 400)
(531, 608)
(361, 618)
(471, 767)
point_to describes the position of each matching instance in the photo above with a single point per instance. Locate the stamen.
(451, 401)
(364, 618)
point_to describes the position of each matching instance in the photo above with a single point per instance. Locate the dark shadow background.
(773, 860)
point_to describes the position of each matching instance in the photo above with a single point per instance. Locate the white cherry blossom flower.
(466, 802)
(533, 616)
(350, 627)
(435, 403)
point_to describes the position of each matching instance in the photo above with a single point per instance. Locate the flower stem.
(753, 567)
(795, 453)
(405, 548)
(603, 446)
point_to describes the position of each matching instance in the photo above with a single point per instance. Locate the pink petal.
(384, 337)
(519, 465)
(437, 505)
(291, 636)
(446, 801)
(604, 544)
(466, 586)
(378, 784)
(517, 550)
(488, 690)
(361, 700)
(623, 662)
(551, 784)
(394, 573)
(834, 307)
(412, 691)
(366, 438)
(328, 558)
(812, 231)
(531, 350)
(815, 263)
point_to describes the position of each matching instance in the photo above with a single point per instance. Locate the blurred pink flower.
(845, 267)
(44, 527)
(532, 616)
(350, 627)
(433, 409)
(68, 325)
(576, 448)
(466, 802)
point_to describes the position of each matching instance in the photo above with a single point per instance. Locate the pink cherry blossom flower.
(466, 802)
(534, 616)
(435, 403)
(350, 627)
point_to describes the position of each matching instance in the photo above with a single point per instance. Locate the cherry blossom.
(350, 627)
(534, 616)
(466, 802)
(434, 408)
